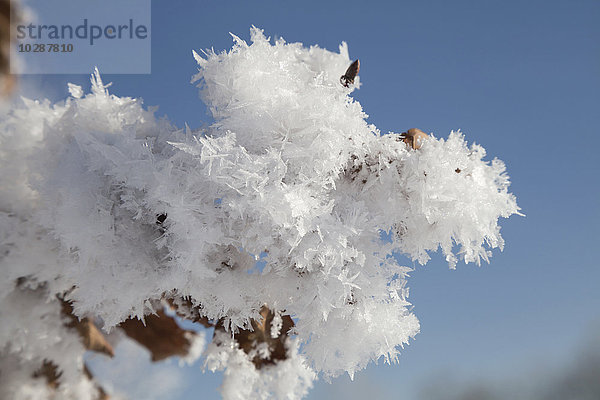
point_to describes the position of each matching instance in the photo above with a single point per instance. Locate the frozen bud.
(414, 137)
(350, 74)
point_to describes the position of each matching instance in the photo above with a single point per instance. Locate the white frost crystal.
(290, 173)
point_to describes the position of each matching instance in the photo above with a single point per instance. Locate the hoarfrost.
(290, 169)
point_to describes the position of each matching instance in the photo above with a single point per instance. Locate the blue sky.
(522, 78)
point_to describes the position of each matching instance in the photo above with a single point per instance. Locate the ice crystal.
(290, 172)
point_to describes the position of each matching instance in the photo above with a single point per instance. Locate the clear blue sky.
(522, 78)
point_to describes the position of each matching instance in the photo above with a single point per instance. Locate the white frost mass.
(290, 173)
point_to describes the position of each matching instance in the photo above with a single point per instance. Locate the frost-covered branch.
(281, 204)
